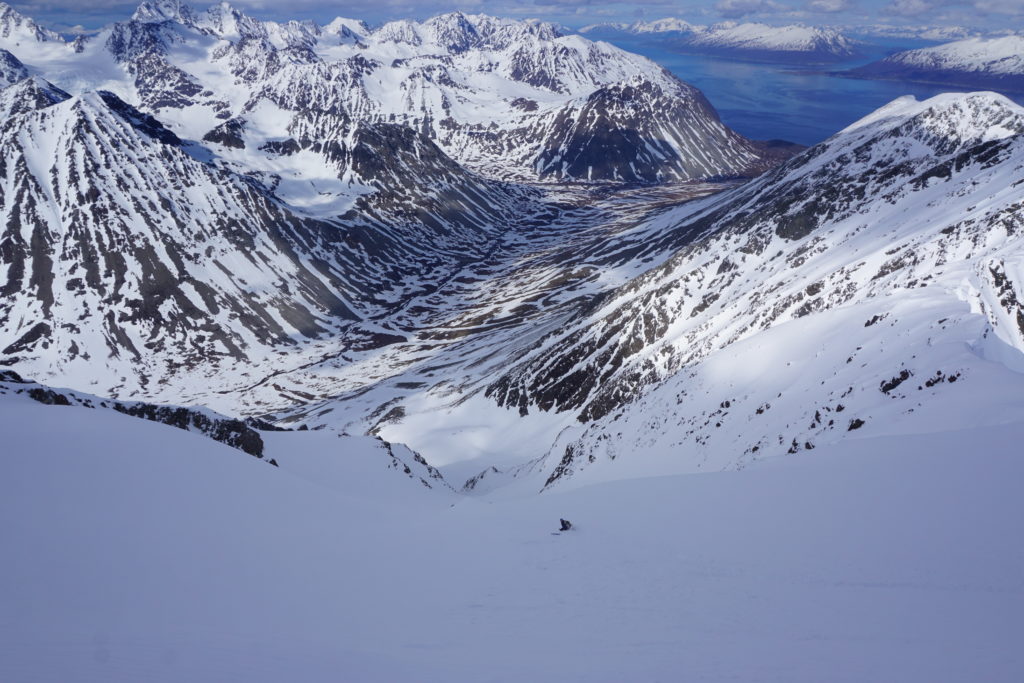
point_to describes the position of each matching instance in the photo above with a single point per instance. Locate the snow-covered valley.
(312, 335)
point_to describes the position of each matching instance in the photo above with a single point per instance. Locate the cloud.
(913, 8)
(962, 9)
(829, 6)
(741, 8)
(1010, 7)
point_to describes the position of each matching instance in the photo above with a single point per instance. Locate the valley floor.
(138, 552)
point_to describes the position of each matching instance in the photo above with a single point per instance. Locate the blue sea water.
(780, 101)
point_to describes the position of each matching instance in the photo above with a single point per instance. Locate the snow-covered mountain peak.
(401, 31)
(1003, 55)
(16, 28)
(457, 33)
(11, 69)
(978, 63)
(156, 11)
(347, 30)
(28, 95)
(950, 120)
(225, 21)
(96, 120)
(666, 25)
(453, 31)
(793, 38)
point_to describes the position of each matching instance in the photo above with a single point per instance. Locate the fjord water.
(804, 104)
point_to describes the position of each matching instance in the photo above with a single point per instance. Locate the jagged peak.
(454, 19)
(977, 116)
(11, 69)
(85, 112)
(30, 94)
(557, 30)
(42, 85)
(142, 122)
(158, 11)
(15, 25)
(453, 31)
(399, 31)
(225, 20)
(341, 24)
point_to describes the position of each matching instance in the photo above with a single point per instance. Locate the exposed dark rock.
(889, 385)
(234, 433)
(48, 397)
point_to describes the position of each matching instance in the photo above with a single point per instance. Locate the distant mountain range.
(984, 63)
(937, 34)
(499, 244)
(473, 350)
(228, 188)
(751, 41)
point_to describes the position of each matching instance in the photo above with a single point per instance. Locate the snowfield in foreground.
(139, 552)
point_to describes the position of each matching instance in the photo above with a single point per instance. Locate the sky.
(91, 14)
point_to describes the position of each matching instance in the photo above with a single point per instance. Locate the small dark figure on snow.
(566, 524)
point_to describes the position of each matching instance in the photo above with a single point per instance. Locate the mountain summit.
(514, 100)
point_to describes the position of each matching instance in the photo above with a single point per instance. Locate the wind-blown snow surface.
(134, 551)
(973, 62)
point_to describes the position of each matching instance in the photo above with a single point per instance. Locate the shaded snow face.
(142, 551)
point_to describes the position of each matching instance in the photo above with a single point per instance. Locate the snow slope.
(867, 282)
(783, 415)
(135, 551)
(974, 62)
